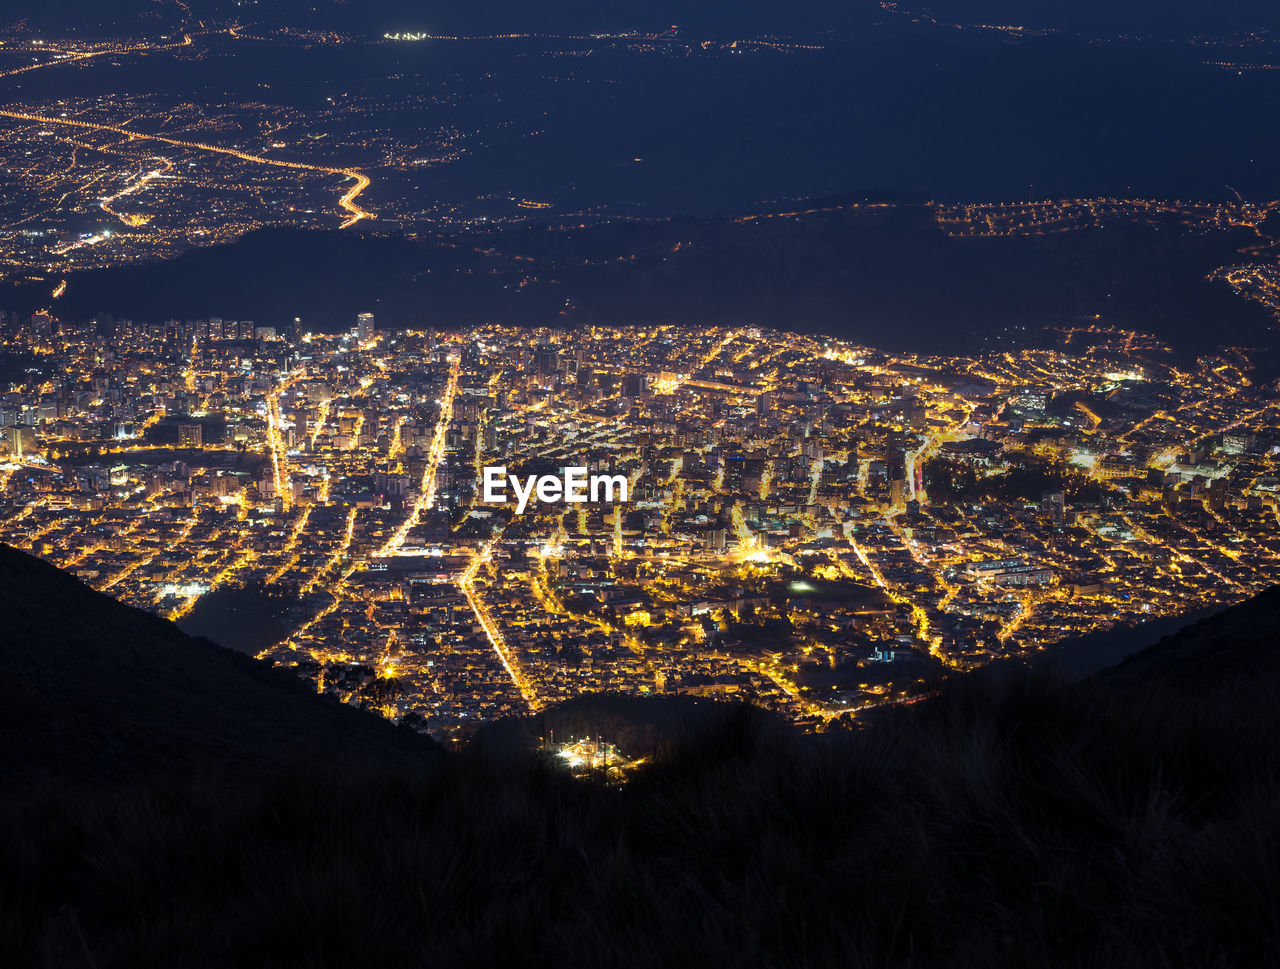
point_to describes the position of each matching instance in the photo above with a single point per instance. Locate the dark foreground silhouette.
(1129, 820)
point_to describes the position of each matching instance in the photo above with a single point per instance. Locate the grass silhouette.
(1013, 820)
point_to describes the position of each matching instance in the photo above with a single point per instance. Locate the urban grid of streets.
(814, 526)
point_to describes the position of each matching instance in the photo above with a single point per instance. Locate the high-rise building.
(364, 326)
(42, 324)
(190, 435)
(635, 385)
(897, 492)
(546, 360)
(1054, 505)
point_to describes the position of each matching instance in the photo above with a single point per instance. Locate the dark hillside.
(851, 274)
(1129, 820)
(1238, 649)
(90, 688)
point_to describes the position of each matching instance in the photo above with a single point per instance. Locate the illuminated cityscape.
(609, 484)
(815, 524)
(812, 525)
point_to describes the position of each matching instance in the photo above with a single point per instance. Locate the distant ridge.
(848, 273)
(1172, 18)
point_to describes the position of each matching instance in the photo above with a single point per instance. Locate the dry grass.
(1010, 823)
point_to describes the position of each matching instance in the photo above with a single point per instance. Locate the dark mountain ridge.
(94, 690)
(852, 273)
(1128, 820)
(1170, 18)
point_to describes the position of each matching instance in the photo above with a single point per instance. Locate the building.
(1014, 572)
(190, 435)
(364, 327)
(42, 324)
(635, 385)
(897, 492)
(546, 360)
(1054, 506)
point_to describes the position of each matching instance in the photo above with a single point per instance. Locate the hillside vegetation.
(1013, 821)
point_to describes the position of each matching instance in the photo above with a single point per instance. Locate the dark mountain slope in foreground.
(1239, 648)
(1129, 820)
(90, 688)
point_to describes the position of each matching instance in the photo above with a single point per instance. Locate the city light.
(771, 546)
